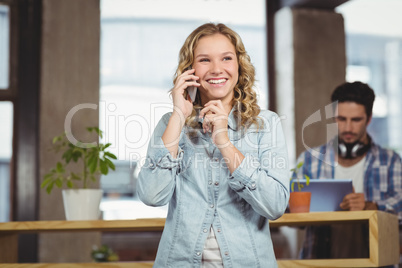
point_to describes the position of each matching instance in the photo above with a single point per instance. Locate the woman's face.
(216, 65)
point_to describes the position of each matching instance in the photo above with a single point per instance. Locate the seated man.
(376, 173)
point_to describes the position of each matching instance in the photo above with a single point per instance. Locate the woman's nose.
(216, 67)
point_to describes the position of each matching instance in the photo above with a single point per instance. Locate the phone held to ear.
(192, 90)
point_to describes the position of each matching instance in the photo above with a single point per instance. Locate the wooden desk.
(383, 237)
(383, 232)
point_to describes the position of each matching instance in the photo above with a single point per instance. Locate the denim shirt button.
(198, 253)
(205, 230)
(216, 183)
(211, 206)
(210, 182)
(219, 230)
(227, 253)
(253, 185)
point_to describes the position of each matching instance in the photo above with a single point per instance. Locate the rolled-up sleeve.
(156, 180)
(263, 181)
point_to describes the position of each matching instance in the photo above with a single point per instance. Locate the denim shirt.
(202, 193)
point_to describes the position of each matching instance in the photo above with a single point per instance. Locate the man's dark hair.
(357, 92)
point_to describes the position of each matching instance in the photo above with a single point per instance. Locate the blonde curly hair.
(245, 97)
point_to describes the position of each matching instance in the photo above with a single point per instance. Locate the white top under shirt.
(355, 172)
(211, 256)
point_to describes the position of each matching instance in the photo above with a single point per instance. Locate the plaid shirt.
(382, 184)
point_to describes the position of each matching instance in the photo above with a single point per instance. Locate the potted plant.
(93, 160)
(104, 254)
(299, 201)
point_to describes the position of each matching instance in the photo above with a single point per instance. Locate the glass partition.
(6, 134)
(4, 46)
(374, 56)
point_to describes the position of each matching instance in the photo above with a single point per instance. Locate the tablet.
(326, 194)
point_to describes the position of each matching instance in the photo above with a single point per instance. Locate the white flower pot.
(82, 204)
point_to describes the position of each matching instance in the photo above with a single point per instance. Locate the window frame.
(10, 93)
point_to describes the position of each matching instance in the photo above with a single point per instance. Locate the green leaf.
(46, 182)
(57, 139)
(307, 179)
(301, 186)
(292, 187)
(49, 188)
(110, 164)
(59, 182)
(100, 132)
(48, 175)
(92, 164)
(75, 176)
(92, 159)
(110, 155)
(299, 165)
(96, 129)
(295, 177)
(59, 167)
(103, 167)
(76, 154)
(70, 184)
(67, 156)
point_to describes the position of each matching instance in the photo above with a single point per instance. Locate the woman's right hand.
(181, 105)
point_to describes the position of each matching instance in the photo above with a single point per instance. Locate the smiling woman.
(212, 168)
(139, 48)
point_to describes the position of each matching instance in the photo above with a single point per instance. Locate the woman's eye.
(204, 60)
(227, 58)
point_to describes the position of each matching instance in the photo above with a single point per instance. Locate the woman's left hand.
(216, 121)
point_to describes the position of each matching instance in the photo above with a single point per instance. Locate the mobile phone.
(192, 90)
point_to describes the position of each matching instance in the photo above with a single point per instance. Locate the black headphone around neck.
(353, 150)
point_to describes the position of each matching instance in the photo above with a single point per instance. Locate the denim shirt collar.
(233, 120)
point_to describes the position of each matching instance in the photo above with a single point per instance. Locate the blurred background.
(138, 55)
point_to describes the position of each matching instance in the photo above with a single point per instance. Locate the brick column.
(69, 77)
(310, 62)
